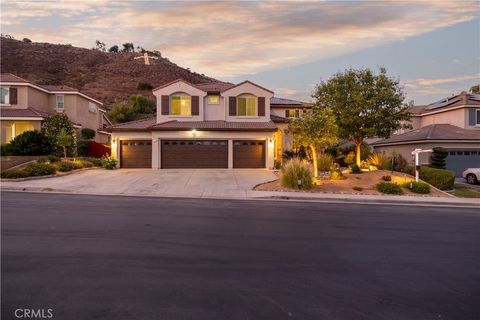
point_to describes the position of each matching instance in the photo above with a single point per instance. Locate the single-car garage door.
(249, 153)
(194, 154)
(136, 154)
(459, 160)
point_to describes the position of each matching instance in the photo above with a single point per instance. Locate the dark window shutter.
(297, 113)
(261, 106)
(232, 106)
(471, 117)
(165, 105)
(195, 106)
(13, 96)
(287, 113)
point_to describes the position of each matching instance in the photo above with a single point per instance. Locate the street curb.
(346, 200)
(61, 174)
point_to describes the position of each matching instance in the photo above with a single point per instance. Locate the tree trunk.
(358, 153)
(314, 158)
(65, 153)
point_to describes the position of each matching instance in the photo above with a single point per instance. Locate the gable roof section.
(8, 78)
(211, 86)
(250, 82)
(462, 99)
(23, 113)
(135, 125)
(434, 132)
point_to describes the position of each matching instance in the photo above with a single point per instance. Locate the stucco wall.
(214, 111)
(454, 117)
(39, 100)
(248, 88)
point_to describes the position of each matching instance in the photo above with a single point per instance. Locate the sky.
(431, 47)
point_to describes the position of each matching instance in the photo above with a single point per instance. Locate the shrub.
(389, 188)
(439, 178)
(6, 150)
(14, 174)
(397, 162)
(66, 166)
(438, 157)
(277, 165)
(337, 175)
(40, 169)
(30, 143)
(144, 86)
(357, 188)
(94, 161)
(109, 163)
(409, 170)
(387, 178)
(290, 154)
(417, 187)
(82, 148)
(87, 134)
(355, 169)
(349, 158)
(324, 162)
(296, 170)
(378, 160)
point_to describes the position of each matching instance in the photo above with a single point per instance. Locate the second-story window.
(4, 95)
(478, 117)
(246, 106)
(181, 106)
(292, 113)
(92, 107)
(59, 102)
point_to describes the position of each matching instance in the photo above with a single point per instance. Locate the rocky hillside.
(108, 77)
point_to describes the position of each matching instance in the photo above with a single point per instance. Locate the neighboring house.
(452, 123)
(24, 105)
(212, 125)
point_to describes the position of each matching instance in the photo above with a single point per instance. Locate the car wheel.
(471, 178)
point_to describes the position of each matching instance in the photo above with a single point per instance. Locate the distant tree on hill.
(113, 49)
(475, 89)
(26, 40)
(128, 47)
(100, 46)
(157, 53)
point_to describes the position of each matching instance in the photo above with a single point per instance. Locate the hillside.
(105, 76)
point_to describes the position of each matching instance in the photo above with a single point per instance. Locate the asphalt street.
(103, 257)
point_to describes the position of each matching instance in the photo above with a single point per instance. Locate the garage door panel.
(136, 154)
(458, 160)
(194, 154)
(249, 154)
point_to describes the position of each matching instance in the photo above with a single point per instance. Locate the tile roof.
(278, 119)
(8, 77)
(22, 113)
(283, 101)
(432, 132)
(141, 124)
(218, 125)
(57, 88)
(214, 86)
(458, 100)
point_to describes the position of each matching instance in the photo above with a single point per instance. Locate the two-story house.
(211, 125)
(24, 105)
(452, 123)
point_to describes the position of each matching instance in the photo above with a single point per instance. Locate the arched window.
(180, 105)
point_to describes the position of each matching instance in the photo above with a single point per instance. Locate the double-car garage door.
(194, 154)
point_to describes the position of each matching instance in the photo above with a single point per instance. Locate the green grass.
(463, 191)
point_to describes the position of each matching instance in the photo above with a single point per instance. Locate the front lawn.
(465, 191)
(364, 183)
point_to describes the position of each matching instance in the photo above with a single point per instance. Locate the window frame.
(477, 117)
(7, 97)
(56, 102)
(181, 96)
(247, 96)
(90, 105)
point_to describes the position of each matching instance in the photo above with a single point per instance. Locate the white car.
(472, 175)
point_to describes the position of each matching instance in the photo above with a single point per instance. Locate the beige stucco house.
(452, 123)
(24, 105)
(211, 125)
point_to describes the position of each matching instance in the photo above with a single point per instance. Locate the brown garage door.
(194, 154)
(249, 154)
(136, 154)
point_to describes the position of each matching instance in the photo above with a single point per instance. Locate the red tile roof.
(22, 113)
(136, 125)
(8, 77)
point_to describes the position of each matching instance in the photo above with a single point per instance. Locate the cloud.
(429, 82)
(227, 39)
(440, 86)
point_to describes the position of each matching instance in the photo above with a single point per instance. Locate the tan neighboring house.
(452, 123)
(24, 105)
(211, 125)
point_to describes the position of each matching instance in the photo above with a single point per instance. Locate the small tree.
(100, 46)
(315, 130)
(87, 133)
(64, 140)
(128, 47)
(365, 104)
(26, 40)
(52, 126)
(113, 49)
(475, 89)
(438, 157)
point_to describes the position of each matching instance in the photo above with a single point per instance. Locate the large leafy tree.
(315, 130)
(365, 104)
(132, 109)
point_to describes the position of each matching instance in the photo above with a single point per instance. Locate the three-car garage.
(194, 153)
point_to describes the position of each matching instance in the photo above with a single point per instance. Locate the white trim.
(424, 141)
(429, 112)
(77, 126)
(22, 118)
(48, 91)
(477, 120)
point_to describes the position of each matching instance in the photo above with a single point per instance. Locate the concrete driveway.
(211, 183)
